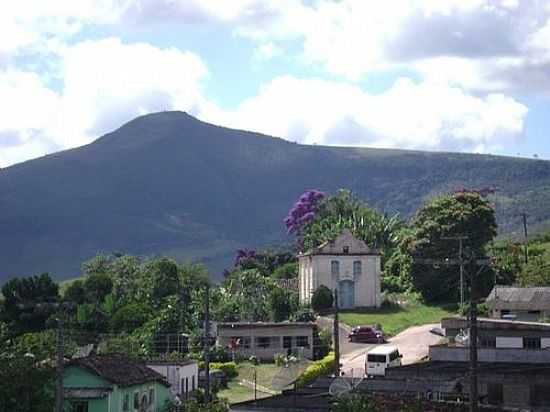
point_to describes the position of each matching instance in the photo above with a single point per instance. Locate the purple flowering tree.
(303, 211)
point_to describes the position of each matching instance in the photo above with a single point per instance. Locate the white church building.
(346, 264)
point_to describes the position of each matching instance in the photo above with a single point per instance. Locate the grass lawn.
(396, 318)
(237, 392)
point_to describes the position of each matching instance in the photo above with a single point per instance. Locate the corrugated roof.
(514, 298)
(118, 369)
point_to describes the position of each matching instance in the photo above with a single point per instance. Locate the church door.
(346, 298)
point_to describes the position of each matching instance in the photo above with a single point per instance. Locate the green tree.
(464, 213)
(129, 317)
(345, 211)
(97, 286)
(75, 292)
(535, 273)
(27, 380)
(322, 299)
(24, 300)
(282, 303)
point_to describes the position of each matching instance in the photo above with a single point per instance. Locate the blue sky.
(444, 75)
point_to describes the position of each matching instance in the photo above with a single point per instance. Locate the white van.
(380, 358)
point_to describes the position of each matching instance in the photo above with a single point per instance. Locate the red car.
(367, 334)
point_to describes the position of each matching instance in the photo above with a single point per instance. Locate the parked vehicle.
(380, 358)
(367, 334)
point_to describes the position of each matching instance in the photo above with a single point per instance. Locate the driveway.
(412, 344)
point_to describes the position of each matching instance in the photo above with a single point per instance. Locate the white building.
(346, 264)
(265, 339)
(183, 376)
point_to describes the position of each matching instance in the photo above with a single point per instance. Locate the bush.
(318, 368)
(229, 368)
(321, 299)
(304, 314)
(279, 359)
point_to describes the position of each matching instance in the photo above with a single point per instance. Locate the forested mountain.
(167, 183)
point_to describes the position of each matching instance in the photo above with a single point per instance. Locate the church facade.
(346, 264)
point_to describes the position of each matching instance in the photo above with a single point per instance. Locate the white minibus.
(380, 358)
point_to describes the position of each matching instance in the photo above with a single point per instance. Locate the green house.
(113, 384)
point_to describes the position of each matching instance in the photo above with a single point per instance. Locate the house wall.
(176, 374)
(76, 377)
(226, 336)
(161, 395)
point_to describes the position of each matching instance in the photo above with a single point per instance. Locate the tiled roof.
(119, 370)
(513, 298)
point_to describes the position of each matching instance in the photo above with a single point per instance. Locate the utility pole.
(472, 318)
(460, 258)
(524, 215)
(207, 343)
(59, 395)
(336, 334)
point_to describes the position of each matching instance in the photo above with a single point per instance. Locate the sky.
(441, 75)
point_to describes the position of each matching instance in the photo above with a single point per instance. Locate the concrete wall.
(462, 354)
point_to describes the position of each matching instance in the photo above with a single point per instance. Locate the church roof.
(345, 244)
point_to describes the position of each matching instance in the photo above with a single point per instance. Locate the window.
(186, 386)
(151, 396)
(531, 343)
(357, 268)
(126, 403)
(302, 341)
(487, 342)
(376, 358)
(262, 342)
(136, 400)
(193, 383)
(287, 342)
(335, 268)
(80, 407)
(345, 249)
(265, 342)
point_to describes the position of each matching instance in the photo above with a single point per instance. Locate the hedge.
(318, 368)
(229, 368)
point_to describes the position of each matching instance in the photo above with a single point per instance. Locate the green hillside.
(168, 183)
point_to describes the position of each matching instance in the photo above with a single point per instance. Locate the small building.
(183, 376)
(346, 264)
(528, 304)
(265, 339)
(513, 366)
(502, 335)
(113, 383)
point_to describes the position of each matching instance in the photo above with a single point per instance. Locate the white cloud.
(426, 115)
(105, 84)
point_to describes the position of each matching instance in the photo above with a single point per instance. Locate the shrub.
(253, 359)
(318, 368)
(229, 368)
(279, 359)
(321, 299)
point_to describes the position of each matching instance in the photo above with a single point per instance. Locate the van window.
(376, 358)
(394, 356)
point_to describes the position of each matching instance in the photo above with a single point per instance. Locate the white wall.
(509, 342)
(176, 374)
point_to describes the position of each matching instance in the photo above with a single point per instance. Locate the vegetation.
(168, 211)
(322, 299)
(394, 318)
(318, 368)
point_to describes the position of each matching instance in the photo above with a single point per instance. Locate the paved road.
(412, 343)
(346, 347)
